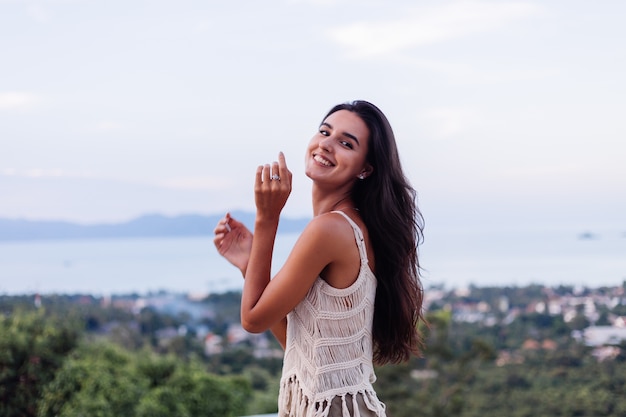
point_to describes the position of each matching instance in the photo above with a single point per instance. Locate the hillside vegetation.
(489, 352)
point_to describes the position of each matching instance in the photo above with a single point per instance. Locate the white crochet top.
(328, 352)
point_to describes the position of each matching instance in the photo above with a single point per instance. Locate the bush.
(32, 348)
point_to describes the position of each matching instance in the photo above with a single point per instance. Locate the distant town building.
(604, 335)
(236, 334)
(213, 344)
(620, 321)
(603, 353)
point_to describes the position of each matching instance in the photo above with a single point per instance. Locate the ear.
(366, 171)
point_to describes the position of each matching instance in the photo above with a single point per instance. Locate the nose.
(325, 143)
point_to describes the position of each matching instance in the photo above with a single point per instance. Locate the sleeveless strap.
(358, 236)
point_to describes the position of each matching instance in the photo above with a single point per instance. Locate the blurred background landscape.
(128, 128)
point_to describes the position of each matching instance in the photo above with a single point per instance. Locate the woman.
(349, 294)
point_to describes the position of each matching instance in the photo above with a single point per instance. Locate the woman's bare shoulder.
(328, 224)
(326, 232)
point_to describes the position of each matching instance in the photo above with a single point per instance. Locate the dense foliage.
(32, 349)
(45, 371)
(460, 376)
(75, 356)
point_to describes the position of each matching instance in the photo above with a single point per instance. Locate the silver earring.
(361, 176)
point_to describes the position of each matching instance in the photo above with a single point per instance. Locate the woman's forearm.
(258, 271)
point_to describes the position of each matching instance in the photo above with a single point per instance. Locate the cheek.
(311, 146)
(307, 154)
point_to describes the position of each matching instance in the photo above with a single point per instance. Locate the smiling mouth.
(321, 160)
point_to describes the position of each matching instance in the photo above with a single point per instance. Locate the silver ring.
(275, 177)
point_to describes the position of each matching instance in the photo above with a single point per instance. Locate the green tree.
(98, 380)
(103, 380)
(436, 386)
(33, 345)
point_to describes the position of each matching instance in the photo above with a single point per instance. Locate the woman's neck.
(332, 203)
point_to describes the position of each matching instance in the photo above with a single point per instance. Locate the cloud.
(38, 13)
(315, 2)
(445, 122)
(16, 100)
(108, 125)
(197, 183)
(43, 173)
(542, 171)
(460, 71)
(425, 26)
(182, 183)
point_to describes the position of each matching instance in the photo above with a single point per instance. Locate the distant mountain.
(153, 225)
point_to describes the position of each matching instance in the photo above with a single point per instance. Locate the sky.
(506, 113)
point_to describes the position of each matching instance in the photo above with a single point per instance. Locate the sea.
(449, 259)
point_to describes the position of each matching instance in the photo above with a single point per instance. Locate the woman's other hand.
(233, 241)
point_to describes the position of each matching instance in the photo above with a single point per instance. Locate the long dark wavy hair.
(388, 207)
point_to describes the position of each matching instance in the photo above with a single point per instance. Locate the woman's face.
(337, 152)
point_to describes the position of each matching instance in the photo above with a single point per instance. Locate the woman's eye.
(347, 144)
(324, 132)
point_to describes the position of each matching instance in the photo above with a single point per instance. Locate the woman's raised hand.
(272, 188)
(233, 241)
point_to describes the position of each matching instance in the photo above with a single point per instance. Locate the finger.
(226, 222)
(217, 241)
(219, 228)
(275, 171)
(234, 223)
(266, 173)
(259, 175)
(222, 229)
(283, 172)
(282, 163)
(222, 225)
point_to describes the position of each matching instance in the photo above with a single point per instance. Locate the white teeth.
(322, 161)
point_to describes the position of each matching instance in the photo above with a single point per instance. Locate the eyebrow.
(350, 135)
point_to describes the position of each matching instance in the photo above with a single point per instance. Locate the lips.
(321, 160)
